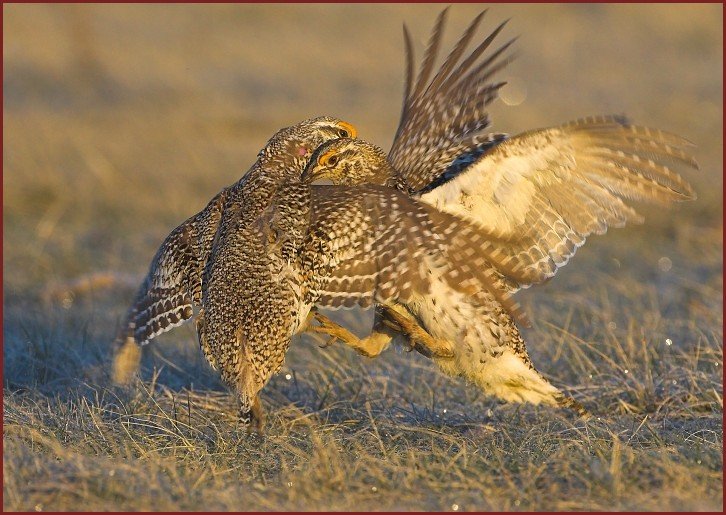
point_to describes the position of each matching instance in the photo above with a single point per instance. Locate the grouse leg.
(370, 346)
(397, 318)
(389, 319)
(252, 416)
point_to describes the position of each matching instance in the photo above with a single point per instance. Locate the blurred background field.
(121, 121)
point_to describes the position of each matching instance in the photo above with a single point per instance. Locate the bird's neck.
(272, 170)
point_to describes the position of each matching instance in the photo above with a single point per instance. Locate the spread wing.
(371, 244)
(549, 189)
(442, 117)
(173, 284)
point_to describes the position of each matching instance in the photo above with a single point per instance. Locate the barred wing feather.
(443, 116)
(374, 244)
(547, 190)
(173, 284)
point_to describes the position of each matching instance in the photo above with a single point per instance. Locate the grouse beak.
(319, 178)
(308, 176)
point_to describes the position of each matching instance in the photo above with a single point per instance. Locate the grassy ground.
(121, 121)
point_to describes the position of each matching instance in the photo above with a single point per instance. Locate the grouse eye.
(333, 160)
(343, 133)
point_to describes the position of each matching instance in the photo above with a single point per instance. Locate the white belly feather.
(482, 353)
(497, 198)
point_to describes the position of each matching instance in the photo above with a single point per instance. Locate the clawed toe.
(330, 342)
(256, 427)
(432, 348)
(252, 417)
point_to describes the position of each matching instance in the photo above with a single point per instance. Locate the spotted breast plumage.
(173, 285)
(541, 193)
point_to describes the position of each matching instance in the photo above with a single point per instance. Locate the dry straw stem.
(122, 123)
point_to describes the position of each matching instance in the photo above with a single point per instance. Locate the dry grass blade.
(120, 121)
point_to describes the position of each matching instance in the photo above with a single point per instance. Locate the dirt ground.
(121, 121)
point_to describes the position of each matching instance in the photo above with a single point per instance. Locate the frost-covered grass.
(121, 121)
